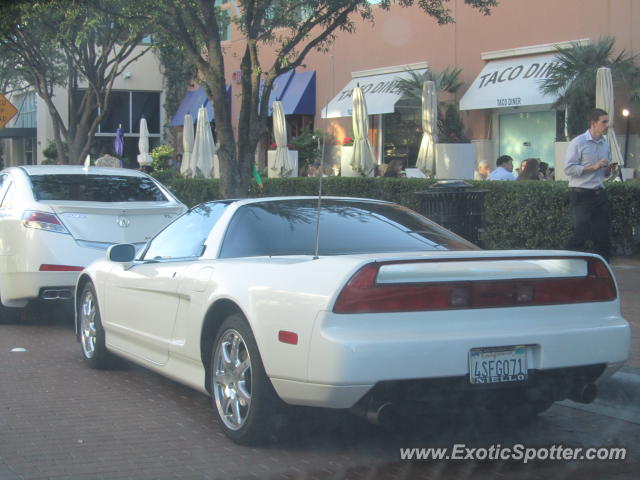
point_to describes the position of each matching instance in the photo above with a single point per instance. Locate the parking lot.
(59, 419)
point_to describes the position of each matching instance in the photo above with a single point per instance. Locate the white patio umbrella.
(143, 144)
(604, 100)
(187, 146)
(204, 148)
(282, 163)
(427, 153)
(362, 162)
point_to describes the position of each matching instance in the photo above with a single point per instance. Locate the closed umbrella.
(427, 153)
(362, 162)
(204, 148)
(604, 100)
(118, 143)
(282, 163)
(187, 146)
(143, 144)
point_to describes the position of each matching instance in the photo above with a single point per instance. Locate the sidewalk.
(627, 271)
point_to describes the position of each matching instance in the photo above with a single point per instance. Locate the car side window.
(186, 236)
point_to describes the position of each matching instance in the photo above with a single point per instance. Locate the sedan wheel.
(92, 342)
(247, 406)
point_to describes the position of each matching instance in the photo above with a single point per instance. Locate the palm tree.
(573, 79)
(447, 81)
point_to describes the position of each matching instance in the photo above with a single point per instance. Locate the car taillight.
(43, 221)
(363, 295)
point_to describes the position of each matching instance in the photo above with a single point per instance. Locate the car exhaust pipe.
(585, 393)
(375, 412)
(51, 294)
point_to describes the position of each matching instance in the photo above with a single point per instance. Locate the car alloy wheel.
(88, 324)
(232, 379)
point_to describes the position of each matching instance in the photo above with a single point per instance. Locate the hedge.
(527, 215)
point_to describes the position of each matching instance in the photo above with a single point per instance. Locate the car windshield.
(288, 227)
(96, 188)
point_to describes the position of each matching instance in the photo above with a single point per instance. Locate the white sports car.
(55, 220)
(349, 304)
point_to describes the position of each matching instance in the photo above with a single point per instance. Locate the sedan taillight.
(362, 294)
(43, 221)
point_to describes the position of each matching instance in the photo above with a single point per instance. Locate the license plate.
(497, 365)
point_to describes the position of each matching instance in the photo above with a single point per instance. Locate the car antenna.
(324, 141)
(315, 255)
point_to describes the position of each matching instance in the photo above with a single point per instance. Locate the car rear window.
(96, 188)
(288, 227)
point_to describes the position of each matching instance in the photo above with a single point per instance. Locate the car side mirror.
(121, 253)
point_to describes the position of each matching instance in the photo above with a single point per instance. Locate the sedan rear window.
(288, 227)
(96, 188)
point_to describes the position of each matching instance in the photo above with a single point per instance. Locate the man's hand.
(609, 168)
(602, 163)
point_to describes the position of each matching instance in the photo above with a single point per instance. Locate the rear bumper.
(353, 354)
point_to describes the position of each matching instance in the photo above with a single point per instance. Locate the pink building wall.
(407, 35)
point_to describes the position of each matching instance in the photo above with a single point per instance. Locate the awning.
(380, 91)
(511, 82)
(191, 102)
(296, 91)
(18, 132)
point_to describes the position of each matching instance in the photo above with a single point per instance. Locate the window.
(346, 227)
(27, 110)
(186, 236)
(126, 108)
(96, 188)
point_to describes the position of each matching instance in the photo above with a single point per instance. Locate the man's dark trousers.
(590, 210)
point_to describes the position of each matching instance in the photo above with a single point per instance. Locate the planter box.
(455, 160)
(346, 155)
(271, 160)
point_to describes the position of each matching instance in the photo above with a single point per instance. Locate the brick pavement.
(59, 419)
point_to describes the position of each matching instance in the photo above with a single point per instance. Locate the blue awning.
(191, 102)
(296, 91)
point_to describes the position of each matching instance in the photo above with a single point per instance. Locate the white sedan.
(353, 304)
(55, 220)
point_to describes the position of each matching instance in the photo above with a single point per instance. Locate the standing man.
(483, 171)
(505, 167)
(587, 163)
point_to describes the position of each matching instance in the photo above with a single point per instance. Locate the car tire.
(246, 404)
(91, 333)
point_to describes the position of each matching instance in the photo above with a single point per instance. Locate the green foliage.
(51, 153)
(517, 215)
(451, 130)
(573, 80)
(450, 125)
(162, 157)
(307, 146)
